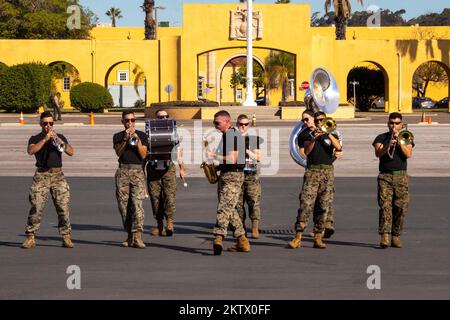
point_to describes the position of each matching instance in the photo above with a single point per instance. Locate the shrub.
(24, 87)
(181, 103)
(139, 104)
(90, 97)
(3, 67)
(291, 104)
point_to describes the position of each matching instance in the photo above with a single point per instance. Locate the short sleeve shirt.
(232, 141)
(48, 156)
(322, 153)
(398, 161)
(130, 154)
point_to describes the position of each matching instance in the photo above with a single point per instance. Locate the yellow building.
(198, 60)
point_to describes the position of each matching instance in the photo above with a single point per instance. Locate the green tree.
(42, 19)
(150, 24)
(239, 78)
(280, 67)
(430, 71)
(25, 87)
(371, 85)
(433, 19)
(114, 13)
(342, 13)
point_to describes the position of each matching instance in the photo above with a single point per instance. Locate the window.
(122, 76)
(238, 94)
(66, 84)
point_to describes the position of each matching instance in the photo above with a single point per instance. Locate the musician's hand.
(318, 133)
(48, 136)
(251, 154)
(211, 154)
(182, 174)
(339, 154)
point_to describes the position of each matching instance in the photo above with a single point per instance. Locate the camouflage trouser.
(318, 184)
(162, 194)
(43, 182)
(330, 212)
(130, 192)
(393, 199)
(229, 189)
(251, 194)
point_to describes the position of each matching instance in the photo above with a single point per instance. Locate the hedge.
(90, 97)
(291, 104)
(181, 103)
(24, 87)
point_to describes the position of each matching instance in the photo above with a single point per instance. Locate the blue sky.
(133, 15)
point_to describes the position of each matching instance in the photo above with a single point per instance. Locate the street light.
(354, 83)
(156, 19)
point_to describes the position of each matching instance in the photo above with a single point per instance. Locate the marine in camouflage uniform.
(318, 183)
(48, 177)
(162, 183)
(231, 155)
(393, 193)
(130, 179)
(251, 188)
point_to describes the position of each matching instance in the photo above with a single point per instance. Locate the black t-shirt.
(304, 134)
(231, 141)
(130, 154)
(48, 156)
(398, 161)
(322, 153)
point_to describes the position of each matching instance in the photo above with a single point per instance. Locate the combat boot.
(242, 245)
(297, 241)
(329, 231)
(129, 241)
(137, 240)
(255, 229)
(395, 242)
(384, 242)
(169, 228)
(29, 242)
(159, 230)
(318, 243)
(218, 245)
(67, 243)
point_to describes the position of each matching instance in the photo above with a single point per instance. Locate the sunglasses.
(217, 123)
(129, 120)
(396, 123)
(244, 124)
(305, 120)
(319, 120)
(163, 117)
(47, 124)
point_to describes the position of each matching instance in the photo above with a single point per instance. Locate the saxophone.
(209, 167)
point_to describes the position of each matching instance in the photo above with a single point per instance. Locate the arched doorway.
(232, 81)
(127, 83)
(64, 77)
(430, 86)
(368, 82)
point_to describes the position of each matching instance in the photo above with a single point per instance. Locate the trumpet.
(58, 143)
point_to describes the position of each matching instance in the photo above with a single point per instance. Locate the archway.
(127, 83)
(430, 85)
(368, 82)
(232, 80)
(64, 77)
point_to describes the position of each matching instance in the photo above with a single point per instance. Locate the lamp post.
(354, 83)
(249, 100)
(156, 19)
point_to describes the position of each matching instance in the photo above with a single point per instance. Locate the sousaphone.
(323, 95)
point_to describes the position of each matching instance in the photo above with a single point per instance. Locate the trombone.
(405, 137)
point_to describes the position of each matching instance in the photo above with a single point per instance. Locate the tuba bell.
(323, 96)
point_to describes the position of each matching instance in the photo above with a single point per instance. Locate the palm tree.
(113, 14)
(342, 12)
(150, 24)
(279, 67)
